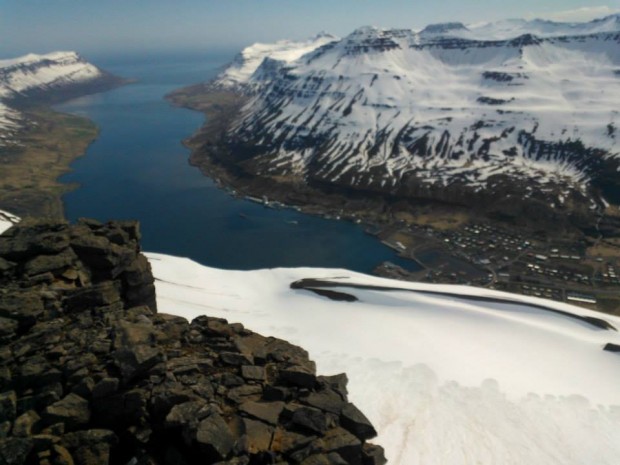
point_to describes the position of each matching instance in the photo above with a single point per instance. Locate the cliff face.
(90, 373)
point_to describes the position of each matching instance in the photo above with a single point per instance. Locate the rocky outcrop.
(91, 374)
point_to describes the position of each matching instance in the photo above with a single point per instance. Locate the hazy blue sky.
(98, 26)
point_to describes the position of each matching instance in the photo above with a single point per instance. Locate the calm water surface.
(137, 168)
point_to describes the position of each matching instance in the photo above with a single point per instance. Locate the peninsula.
(37, 144)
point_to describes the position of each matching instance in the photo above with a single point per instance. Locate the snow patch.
(7, 220)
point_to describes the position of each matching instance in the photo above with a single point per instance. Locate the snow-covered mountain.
(44, 78)
(239, 72)
(447, 374)
(528, 108)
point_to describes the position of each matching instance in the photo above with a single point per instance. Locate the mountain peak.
(324, 35)
(365, 31)
(58, 56)
(250, 59)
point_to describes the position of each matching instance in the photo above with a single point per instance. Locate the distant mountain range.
(496, 112)
(35, 79)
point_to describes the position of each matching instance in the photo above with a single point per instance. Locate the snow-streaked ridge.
(41, 73)
(448, 106)
(505, 29)
(250, 58)
(445, 380)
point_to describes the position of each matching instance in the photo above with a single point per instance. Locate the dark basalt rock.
(612, 348)
(91, 374)
(356, 422)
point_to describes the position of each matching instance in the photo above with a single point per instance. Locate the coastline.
(30, 185)
(46, 147)
(208, 153)
(410, 225)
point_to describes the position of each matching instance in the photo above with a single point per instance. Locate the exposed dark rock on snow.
(91, 374)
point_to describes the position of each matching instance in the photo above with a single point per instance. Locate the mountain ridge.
(33, 80)
(438, 116)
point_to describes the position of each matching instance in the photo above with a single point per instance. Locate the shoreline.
(45, 149)
(31, 187)
(411, 225)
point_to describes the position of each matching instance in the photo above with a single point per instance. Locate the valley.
(551, 257)
(405, 235)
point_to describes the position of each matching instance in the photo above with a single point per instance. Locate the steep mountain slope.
(10, 121)
(44, 79)
(249, 59)
(450, 113)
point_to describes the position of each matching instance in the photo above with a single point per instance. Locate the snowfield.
(7, 220)
(444, 379)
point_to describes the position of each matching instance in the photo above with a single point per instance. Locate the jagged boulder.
(91, 374)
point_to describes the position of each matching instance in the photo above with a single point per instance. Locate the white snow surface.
(468, 96)
(41, 72)
(7, 220)
(444, 380)
(50, 70)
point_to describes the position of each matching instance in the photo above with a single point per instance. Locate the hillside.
(521, 111)
(37, 144)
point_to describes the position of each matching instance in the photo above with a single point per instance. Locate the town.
(488, 255)
(479, 252)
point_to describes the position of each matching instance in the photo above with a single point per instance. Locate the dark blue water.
(137, 168)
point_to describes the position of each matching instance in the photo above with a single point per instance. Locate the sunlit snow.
(246, 63)
(7, 220)
(470, 100)
(446, 380)
(19, 75)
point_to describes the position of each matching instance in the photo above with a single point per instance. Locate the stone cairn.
(91, 374)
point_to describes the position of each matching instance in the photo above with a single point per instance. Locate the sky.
(94, 27)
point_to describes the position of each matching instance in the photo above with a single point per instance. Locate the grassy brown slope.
(29, 171)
